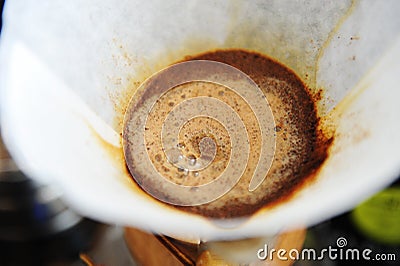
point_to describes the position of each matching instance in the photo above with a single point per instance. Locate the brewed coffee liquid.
(300, 148)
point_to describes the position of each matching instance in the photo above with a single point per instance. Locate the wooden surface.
(152, 250)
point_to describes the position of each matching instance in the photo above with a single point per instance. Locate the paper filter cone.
(69, 68)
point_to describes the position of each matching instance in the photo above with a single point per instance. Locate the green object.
(379, 217)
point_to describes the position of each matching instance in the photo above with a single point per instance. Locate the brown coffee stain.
(116, 156)
(341, 111)
(246, 35)
(148, 67)
(320, 104)
(335, 29)
(338, 111)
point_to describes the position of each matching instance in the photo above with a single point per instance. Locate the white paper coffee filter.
(67, 67)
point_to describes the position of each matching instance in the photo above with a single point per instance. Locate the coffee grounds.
(301, 147)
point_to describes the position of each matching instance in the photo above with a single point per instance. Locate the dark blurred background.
(1, 10)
